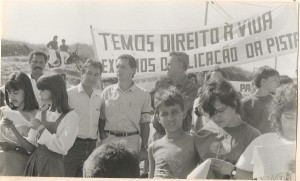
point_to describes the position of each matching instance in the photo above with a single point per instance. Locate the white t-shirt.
(268, 157)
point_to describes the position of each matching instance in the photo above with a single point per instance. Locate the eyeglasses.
(221, 110)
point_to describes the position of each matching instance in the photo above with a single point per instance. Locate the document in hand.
(274, 162)
(17, 118)
(201, 171)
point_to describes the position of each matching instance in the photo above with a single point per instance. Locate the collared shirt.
(35, 89)
(63, 48)
(188, 90)
(126, 110)
(88, 110)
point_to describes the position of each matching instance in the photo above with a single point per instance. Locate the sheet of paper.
(201, 171)
(17, 118)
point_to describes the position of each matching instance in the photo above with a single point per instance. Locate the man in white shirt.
(127, 110)
(87, 103)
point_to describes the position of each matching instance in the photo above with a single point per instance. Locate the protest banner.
(268, 34)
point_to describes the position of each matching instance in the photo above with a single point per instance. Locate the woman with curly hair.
(280, 145)
(226, 136)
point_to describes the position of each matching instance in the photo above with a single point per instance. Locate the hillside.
(10, 48)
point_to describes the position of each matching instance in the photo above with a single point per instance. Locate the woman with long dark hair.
(21, 104)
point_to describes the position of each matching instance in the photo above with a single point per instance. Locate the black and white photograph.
(149, 89)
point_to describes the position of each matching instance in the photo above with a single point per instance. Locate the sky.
(38, 21)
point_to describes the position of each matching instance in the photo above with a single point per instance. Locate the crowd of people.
(50, 128)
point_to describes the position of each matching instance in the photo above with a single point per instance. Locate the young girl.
(21, 101)
(174, 155)
(54, 130)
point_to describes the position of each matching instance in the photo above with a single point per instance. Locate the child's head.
(19, 92)
(169, 108)
(53, 91)
(283, 111)
(220, 101)
(112, 160)
(266, 78)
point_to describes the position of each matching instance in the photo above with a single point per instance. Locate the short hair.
(284, 100)
(263, 73)
(182, 57)
(91, 62)
(216, 69)
(57, 86)
(112, 160)
(131, 60)
(19, 80)
(284, 79)
(168, 97)
(63, 40)
(222, 90)
(37, 52)
(55, 36)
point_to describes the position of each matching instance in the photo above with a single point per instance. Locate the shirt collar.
(80, 88)
(131, 89)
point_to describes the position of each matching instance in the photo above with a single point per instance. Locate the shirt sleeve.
(65, 136)
(146, 110)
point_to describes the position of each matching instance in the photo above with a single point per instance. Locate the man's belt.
(118, 134)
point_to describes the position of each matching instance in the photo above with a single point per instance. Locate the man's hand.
(221, 166)
(143, 154)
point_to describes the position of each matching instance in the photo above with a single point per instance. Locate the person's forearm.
(145, 129)
(22, 141)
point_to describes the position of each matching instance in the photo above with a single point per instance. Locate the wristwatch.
(233, 172)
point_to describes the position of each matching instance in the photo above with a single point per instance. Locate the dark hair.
(131, 60)
(284, 100)
(284, 79)
(56, 85)
(112, 160)
(2, 98)
(91, 62)
(35, 53)
(55, 36)
(168, 97)
(216, 69)
(263, 73)
(182, 57)
(222, 90)
(190, 75)
(63, 40)
(19, 80)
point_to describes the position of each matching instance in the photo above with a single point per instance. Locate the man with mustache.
(37, 61)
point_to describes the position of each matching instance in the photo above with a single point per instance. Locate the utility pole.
(206, 12)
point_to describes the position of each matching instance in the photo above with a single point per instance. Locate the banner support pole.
(94, 44)
(206, 12)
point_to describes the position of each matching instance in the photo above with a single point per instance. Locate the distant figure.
(112, 160)
(284, 79)
(53, 47)
(64, 55)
